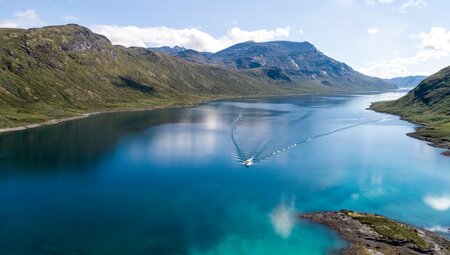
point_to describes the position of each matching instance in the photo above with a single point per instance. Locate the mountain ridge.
(64, 71)
(288, 61)
(407, 81)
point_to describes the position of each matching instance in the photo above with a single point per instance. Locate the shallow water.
(171, 182)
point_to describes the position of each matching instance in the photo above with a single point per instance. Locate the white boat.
(248, 162)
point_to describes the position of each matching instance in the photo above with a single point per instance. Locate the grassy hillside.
(428, 104)
(61, 71)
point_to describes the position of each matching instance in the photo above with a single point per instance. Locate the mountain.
(407, 81)
(192, 56)
(294, 62)
(168, 50)
(61, 71)
(427, 104)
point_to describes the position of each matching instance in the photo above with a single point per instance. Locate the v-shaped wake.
(265, 148)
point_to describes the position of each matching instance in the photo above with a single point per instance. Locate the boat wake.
(253, 145)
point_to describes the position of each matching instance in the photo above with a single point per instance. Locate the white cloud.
(192, 38)
(373, 2)
(439, 203)
(413, 4)
(23, 19)
(373, 30)
(434, 45)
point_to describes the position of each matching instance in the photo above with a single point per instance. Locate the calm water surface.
(171, 181)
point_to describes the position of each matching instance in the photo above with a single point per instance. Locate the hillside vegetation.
(427, 104)
(62, 71)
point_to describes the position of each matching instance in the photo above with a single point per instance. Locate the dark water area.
(171, 181)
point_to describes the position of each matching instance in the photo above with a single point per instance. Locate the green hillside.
(62, 71)
(428, 104)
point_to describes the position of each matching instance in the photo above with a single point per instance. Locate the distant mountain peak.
(168, 49)
(285, 61)
(407, 81)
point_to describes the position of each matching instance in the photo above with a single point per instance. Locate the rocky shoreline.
(432, 141)
(435, 142)
(375, 234)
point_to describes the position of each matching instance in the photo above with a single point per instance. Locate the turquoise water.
(171, 182)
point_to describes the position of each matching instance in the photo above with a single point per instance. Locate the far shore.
(60, 120)
(193, 104)
(85, 115)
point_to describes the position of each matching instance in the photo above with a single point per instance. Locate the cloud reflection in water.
(283, 218)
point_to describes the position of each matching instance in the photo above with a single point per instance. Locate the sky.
(383, 38)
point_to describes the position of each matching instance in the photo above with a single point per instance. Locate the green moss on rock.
(390, 229)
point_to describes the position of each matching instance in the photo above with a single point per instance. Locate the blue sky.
(384, 38)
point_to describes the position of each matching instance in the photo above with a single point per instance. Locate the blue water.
(171, 181)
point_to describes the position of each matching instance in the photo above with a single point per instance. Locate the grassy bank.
(429, 105)
(436, 126)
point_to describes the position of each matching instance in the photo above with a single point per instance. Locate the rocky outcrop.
(375, 234)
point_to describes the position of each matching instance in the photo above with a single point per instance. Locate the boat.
(248, 162)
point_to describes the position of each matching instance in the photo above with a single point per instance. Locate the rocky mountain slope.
(187, 54)
(291, 62)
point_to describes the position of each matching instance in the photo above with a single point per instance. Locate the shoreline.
(431, 141)
(82, 116)
(193, 104)
(376, 234)
(47, 123)
(89, 114)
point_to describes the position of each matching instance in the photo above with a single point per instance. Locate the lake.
(171, 181)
